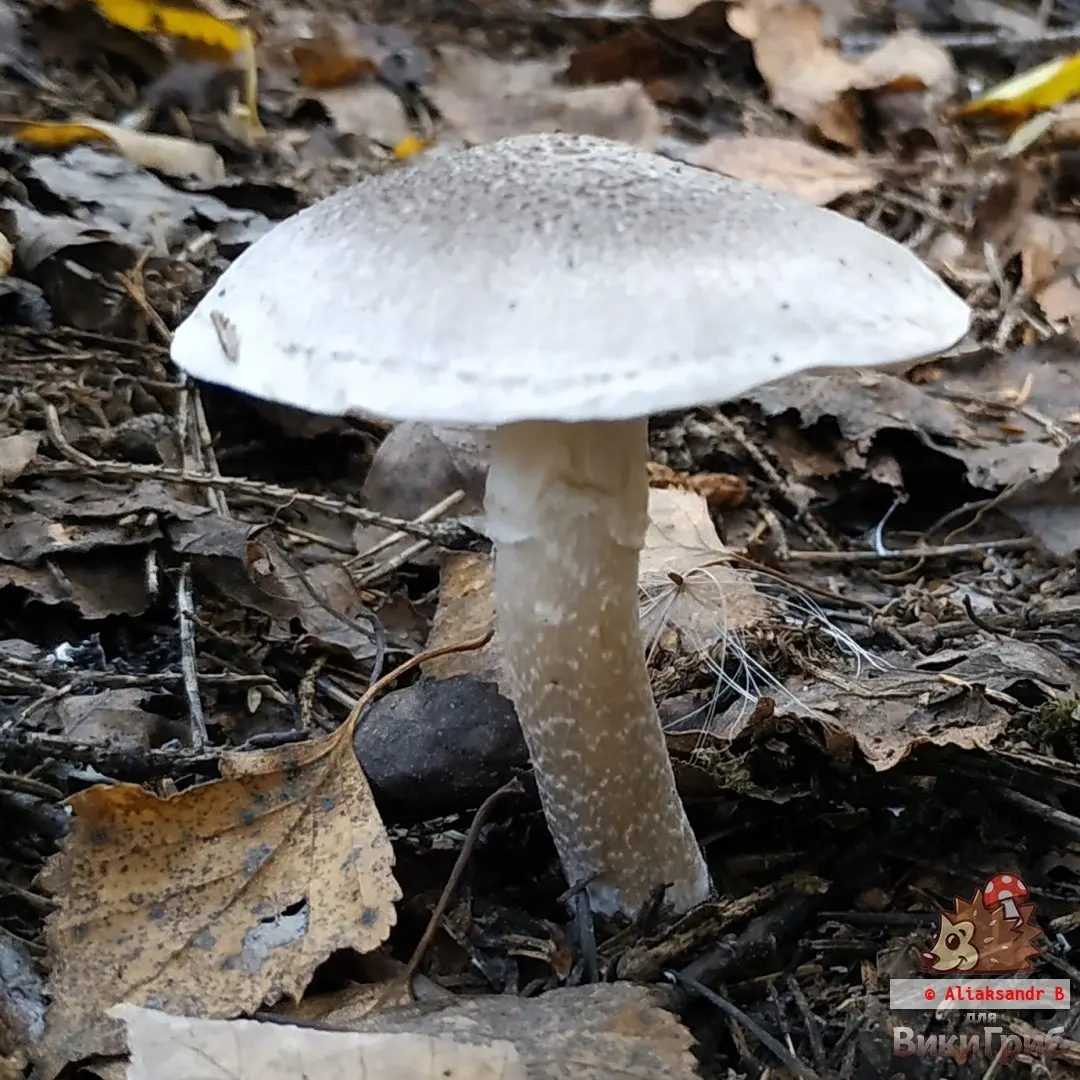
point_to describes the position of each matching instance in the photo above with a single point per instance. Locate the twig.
(511, 787)
(430, 514)
(939, 551)
(810, 1022)
(185, 610)
(995, 40)
(451, 535)
(813, 526)
(747, 1023)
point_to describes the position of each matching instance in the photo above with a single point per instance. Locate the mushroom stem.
(567, 509)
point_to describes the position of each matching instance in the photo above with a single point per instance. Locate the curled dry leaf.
(809, 78)
(1050, 264)
(790, 165)
(165, 1047)
(214, 900)
(167, 153)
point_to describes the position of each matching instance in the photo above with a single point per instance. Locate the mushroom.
(1004, 890)
(559, 289)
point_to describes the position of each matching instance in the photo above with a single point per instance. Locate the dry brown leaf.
(165, 1047)
(466, 610)
(790, 165)
(481, 100)
(719, 490)
(705, 597)
(599, 1032)
(958, 698)
(806, 77)
(809, 78)
(16, 452)
(1050, 263)
(214, 900)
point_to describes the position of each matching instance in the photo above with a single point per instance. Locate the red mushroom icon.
(1004, 891)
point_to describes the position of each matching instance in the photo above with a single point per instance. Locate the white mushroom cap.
(557, 277)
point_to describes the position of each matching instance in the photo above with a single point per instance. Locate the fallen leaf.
(1048, 507)
(214, 900)
(165, 1047)
(96, 585)
(1050, 264)
(368, 110)
(176, 20)
(595, 1032)
(719, 490)
(790, 165)
(166, 153)
(686, 581)
(466, 607)
(1027, 92)
(255, 572)
(952, 698)
(809, 78)
(480, 100)
(806, 76)
(116, 717)
(864, 404)
(16, 452)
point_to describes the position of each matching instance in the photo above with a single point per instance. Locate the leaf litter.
(858, 595)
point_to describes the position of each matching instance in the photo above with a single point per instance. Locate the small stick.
(511, 787)
(804, 1072)
(430, 514)
(941, 550)
(449, 534)
(186, 612)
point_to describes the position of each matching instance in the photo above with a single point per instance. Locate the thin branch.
(185, 609)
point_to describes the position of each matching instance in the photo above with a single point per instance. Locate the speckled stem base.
(567, 507)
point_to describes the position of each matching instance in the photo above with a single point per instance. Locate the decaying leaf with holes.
(214, 900)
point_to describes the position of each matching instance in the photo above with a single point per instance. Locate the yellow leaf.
(169, 153)
(57, 136)
(148, 17)
(1030, 92)
(409, 147)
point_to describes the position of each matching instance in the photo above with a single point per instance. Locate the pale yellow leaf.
(165, 1047)
(216, 899)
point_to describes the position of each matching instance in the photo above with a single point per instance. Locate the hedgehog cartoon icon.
(993, 933)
